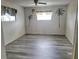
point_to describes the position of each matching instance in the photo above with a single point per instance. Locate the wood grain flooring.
(39, 47)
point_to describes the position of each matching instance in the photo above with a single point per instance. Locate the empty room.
(39, 29)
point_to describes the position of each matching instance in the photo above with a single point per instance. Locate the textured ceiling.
(30, 3)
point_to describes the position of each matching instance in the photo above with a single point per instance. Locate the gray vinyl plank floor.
(39, 47)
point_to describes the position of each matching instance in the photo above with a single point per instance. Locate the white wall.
(71, 17)
(45, 27)
(3, 51)
(13, 30)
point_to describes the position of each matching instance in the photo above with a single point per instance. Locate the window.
(8, 14)
(44, 15)
(7, 17)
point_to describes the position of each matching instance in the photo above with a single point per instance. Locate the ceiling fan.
(37, 2)
(34, 10)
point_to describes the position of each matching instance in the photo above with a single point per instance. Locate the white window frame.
(44, 16)
(7, 17)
